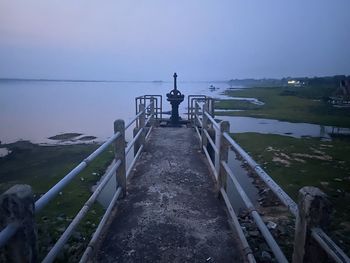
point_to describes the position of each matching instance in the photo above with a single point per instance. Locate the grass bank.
(302, 104)
(295, 163)
(42, 167)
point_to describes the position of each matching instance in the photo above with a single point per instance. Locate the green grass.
(42, 167)
(236, 104)
(331, 175)
(288, 104)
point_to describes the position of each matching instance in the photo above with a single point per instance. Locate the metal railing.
(144, 119)
(158, 107)
(215, 142)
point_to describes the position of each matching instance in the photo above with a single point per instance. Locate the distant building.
(341, 96)
(344, 88)
(295, 83)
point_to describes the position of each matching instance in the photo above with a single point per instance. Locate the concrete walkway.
(171, 212)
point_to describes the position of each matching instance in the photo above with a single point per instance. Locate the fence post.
(204, 125)
(152, 111)
(314, 209)
(212, 107)
(17, 206)
(218, 146)
(142, 124)
(119, 154)
(196, 113)
(224, 147)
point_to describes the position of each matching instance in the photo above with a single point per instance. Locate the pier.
(170, 203)
(171, 212)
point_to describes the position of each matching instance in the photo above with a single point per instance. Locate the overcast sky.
(149, 40)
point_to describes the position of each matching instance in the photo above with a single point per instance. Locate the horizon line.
(159, 81)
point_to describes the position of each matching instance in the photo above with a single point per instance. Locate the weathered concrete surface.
(17, 205)
(171, 212)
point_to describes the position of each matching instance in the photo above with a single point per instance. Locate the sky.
(149, 40)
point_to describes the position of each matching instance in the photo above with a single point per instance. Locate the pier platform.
(171, 212)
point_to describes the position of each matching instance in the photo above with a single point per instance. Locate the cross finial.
(175, 76)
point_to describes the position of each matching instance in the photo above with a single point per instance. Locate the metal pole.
(255, 215)
(142, 124)
(196, 113)
(223, 156)
(204, 125)
(119, 153)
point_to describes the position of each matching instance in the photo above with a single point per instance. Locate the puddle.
(4, 152)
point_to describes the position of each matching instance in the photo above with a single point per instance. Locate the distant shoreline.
(71, 80)
(244, 81)
(110, 81)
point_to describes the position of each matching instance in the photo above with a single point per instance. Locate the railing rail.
(158, 106)
(145, 116)
(216, 136)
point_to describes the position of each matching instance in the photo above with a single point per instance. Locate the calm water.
(268, 126)
(36, 110)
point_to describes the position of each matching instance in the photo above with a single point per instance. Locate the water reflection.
(4, 152)
(244, 180)
(269, 126)
(36, 110)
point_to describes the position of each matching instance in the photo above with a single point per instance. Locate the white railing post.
(152, 111)
(196, 113)
(218, 146)
(223, 156)
(211, 107)
(119, 154)
(142, 124)
(314, 211)
(204, 126)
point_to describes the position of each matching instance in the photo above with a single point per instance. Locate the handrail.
(336, 253)
(100, 226)
(134, 161)
(149, 133)
(245, 246)
(215, 148)
(283, 196)
(8, 232)
(318, 234)
(190, 108)
(329, 246)
(133, 120)
(132, 142)
(151, 111)
(210, 162)
(215, 124)
(49, 195)
(138, 115)
(11, 229)
(158, 107)
(258, 220)
(50, 257)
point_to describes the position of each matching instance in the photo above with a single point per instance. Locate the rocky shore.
(276, 216)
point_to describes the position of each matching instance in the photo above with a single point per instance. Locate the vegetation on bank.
(294, 163)
(42, 167)
(294, 104)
